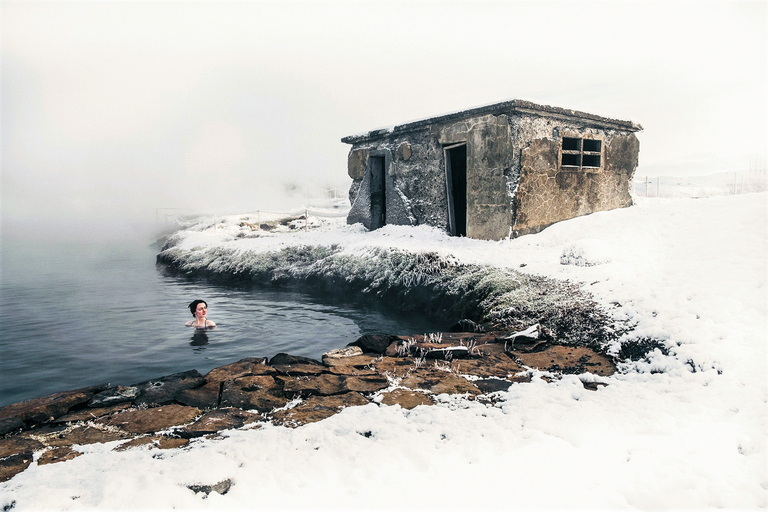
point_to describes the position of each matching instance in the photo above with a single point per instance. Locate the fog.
(115, 112)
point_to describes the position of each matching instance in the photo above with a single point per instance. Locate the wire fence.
(723, 184)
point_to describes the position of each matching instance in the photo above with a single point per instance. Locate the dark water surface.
(78, 314)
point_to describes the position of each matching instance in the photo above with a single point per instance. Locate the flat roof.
(504, 107)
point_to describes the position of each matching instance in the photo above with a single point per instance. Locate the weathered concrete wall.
(547, 194)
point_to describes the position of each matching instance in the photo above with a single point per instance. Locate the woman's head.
(196, 305)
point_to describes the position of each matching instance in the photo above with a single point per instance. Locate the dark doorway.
(456, 175)
(378, 200)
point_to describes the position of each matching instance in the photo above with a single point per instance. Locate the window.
(581, 153)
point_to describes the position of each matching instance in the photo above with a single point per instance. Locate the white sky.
(113, 109)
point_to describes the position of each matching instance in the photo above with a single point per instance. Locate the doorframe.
(449, 186)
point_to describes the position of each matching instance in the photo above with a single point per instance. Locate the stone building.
(492, 172)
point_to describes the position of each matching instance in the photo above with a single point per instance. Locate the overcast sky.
(111, 110)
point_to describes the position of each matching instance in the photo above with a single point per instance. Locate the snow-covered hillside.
(684, 430)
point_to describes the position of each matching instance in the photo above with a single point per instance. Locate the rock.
(492, 385)
(145, 421)
(60, 454)
(221, 487)
(439, 381)
(83, 434)
(465, 325)
(316, 408)
(300, 369)
(16, 445)
(216, 421)
(207, 396)
(160, 442)
(340, 354)
(39, 410)
(242, 368)
(10, 424)
(91, 414)
(406, 398)
(283, 359)
(260, 392)
(567, 359)
(13, 465)
(113, 396)
(490, 365)
(331, 384)
(162, 391)
(375, 343)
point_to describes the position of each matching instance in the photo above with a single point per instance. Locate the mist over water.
(76, 313)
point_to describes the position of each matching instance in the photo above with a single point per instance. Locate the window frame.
(580, 153)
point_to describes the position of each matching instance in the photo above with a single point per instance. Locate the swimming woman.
(199, 309)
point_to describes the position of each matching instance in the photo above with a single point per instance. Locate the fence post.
(646, 186)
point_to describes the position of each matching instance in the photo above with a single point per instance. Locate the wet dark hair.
(193, 305)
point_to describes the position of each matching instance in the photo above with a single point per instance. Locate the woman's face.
(201, 310)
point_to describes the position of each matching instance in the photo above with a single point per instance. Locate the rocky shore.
(170, 412)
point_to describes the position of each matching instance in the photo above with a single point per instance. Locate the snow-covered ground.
(686, 431)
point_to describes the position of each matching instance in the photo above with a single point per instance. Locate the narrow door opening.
(378, 199)
(456, 174)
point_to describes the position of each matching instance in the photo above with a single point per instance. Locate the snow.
(685, 430)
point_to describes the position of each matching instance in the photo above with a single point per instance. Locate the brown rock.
(9, 425)
(490, 365)
(374, 343)
(16, 445)
(144, 421)
(160, 442)
(163, 390)
(438, 381)
(84, 434)
(340, 354)
(406, 398)
(60, 454)
(13, 465)
(113, 396)
(216, 421)
(39, 410)
(567, 359)
(300, 369)
(206, 396)
(242, 368)
(365, 384)
(331, 384)
(260, 392)
(316, 408)
(91, 414)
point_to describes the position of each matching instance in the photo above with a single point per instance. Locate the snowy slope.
(681, 431)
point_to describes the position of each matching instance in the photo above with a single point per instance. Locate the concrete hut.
(492, 172)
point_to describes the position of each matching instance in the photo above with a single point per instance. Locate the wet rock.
(374, 343)
(60, 454)
(40, 410)
(489, 365)
(260, 392)
(145, 421)
(221, 487)
(9, 425)
(163, 390)
(91, 414)
(113, 396)
(84, 434)
(300, 369)
(160, 442)
(466, 325)
(567, 359)
(316, 408)
(593, 386)
(207, 396)
(406, 398)
(492, 385)
(13, 465)
(438, 381)
(17, 445)
(340, 354)
(242, 368)
(283, 359)
(332, 384)
(216, 421)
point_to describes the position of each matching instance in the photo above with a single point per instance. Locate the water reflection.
(199, 339)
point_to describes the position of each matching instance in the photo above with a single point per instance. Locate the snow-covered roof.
(504, 107)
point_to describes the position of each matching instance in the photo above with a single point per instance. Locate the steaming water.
(78, 314)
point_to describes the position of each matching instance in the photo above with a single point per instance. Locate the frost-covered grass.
(682, 427)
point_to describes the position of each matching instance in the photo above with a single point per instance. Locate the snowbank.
(684, 430)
